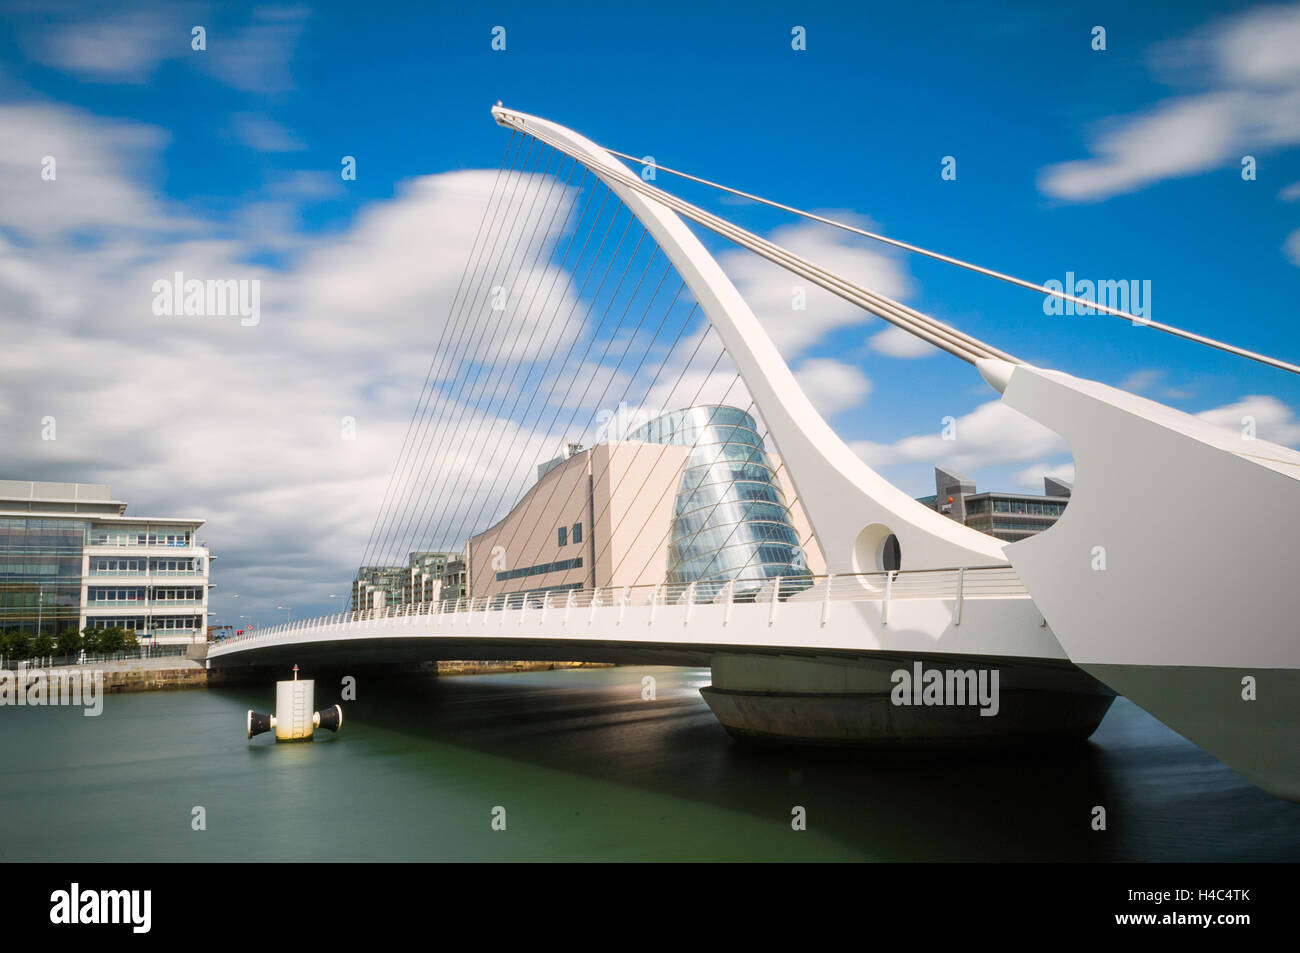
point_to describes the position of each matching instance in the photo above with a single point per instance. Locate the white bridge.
(907, 612)
(1190, 610)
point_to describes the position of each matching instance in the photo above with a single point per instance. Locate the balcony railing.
(137, 605)
(146, 572)
(130, 543)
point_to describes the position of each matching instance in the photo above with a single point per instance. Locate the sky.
(1169, 156)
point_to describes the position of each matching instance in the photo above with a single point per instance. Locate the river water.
(585, 769)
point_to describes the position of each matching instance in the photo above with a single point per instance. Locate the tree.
(90, 639)
(68, 642)
(15, 644)
(107, 641)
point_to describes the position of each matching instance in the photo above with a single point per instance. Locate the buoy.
(293, 719)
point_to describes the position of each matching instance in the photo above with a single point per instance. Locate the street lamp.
(287, 611)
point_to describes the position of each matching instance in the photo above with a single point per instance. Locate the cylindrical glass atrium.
(730, 521)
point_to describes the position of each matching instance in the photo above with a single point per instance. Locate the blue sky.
(1123, 163)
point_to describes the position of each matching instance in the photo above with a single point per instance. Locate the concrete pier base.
(860, 701)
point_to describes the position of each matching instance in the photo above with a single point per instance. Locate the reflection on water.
(587, 770)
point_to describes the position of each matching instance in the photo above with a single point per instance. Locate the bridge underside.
(415, 649)
(781, 695)
(389, 650)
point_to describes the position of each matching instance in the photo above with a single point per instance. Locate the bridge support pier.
(826, 700)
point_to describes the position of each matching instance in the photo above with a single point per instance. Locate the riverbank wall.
(167, 674)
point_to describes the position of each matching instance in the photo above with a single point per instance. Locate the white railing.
(984, 582)
(145, 572)
(120, 543)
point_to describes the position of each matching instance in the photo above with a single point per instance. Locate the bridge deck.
(983, 611)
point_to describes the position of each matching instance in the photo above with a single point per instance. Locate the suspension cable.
(939, 334)
(970, 266)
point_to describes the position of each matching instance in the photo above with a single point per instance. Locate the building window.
(577, 532)
(563, 534)
(562, 565)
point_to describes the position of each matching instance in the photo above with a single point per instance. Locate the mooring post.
(889, 588)
(961, 586)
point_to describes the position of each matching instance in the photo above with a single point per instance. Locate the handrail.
(960, 584)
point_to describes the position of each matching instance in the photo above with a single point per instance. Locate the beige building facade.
(643, 512)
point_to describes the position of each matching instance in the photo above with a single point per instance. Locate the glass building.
(70, 558)
(40, 574)
(730, 518)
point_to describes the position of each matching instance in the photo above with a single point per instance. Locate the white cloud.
(1274, 420)
(1032, 477)
(131, 46)
(1153, 380)
(243, 425)
(263, 133)
(895, 342)
(1290, 193)
(91, 188)
(770, 290)
(698, 372)
(1174, 139)
(1252, 103)
(832, 385)
(1141, 381)
(256, 58)
(1291, 247)
(1259, 48)
(394, 264)
(123, 48)
(992, 434)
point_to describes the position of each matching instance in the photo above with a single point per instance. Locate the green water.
(588, 770)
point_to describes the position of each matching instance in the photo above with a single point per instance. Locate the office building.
(378, 587)
(1008, 516)
(71, 558)
(426, 577)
